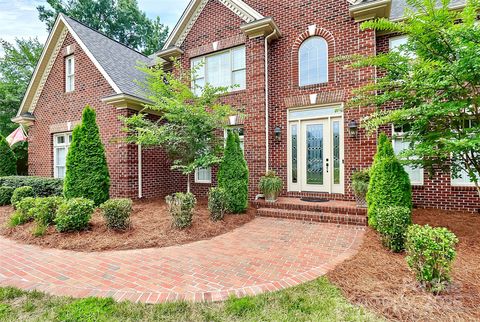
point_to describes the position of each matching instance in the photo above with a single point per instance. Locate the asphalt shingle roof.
(118, 61)
(398, 7)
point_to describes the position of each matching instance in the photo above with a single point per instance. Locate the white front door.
(316, 155)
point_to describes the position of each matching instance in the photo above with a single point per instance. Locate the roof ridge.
(102, 34)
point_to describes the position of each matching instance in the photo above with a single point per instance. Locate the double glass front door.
(316, 155)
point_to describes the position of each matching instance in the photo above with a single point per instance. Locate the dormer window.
(69, 74)
(313, 61)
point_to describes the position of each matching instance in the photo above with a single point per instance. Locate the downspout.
(267, 130)
(140, 183)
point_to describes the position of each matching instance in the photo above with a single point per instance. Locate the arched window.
(313, 61)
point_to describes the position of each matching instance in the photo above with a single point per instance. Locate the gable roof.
(192, 12)
(115, 61)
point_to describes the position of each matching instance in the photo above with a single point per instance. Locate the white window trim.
(56, 145)
(299, 67)
(400, 135)
(68, 76)
(203, 60)
(197, 180)
(454, 182)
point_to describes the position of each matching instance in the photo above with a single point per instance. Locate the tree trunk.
(188, 183)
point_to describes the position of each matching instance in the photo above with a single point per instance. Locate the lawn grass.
(314, 301)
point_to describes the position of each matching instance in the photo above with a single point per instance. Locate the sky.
(19, 18)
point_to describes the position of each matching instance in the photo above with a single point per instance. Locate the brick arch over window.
(313, 31)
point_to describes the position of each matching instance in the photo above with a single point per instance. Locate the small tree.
(233, 175)
(389, 182)
(435, 77)
(87, 171)
(190, 120)
(8, 161)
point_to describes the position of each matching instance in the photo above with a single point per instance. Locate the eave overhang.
(26, 119)
(371, 10)
(125, 101)
(261, 28)
(169, 54)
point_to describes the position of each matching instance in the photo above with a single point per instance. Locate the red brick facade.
(220, 25)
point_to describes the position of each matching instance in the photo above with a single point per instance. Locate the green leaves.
(8, 160)
(430, 254)
(433, 81)
(120, 20)
(74, 215)
(87, 171)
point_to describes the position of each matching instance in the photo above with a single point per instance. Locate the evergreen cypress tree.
(87, 171)
(8, 161)
(233, 175)
(389, 182)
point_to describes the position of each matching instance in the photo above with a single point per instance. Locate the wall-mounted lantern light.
(352, 128)
(278, 133)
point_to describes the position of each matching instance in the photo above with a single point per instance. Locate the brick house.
(289, 89)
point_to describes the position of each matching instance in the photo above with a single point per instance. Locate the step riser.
(313, 207)
(341, 219)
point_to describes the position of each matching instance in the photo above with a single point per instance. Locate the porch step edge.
(312, 216)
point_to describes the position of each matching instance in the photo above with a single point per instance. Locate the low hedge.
(24, 213)
(42, 187)
(392, 224)
(117, 213)
(74, 215)
(6, 195)
(21, 193)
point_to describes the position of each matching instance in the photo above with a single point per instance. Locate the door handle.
(327, 165)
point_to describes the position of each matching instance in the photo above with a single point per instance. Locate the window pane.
(218, 70)
(61, 172)
(462, 178)
(239, 78)
(238, 55)
(336, 152)
(204, 174)
(61, 157)
(313, 61)
(201, 70)
(294, 153)
(198, 85)
(415, 174)
(60, 139)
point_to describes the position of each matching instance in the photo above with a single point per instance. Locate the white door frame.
(299, 117)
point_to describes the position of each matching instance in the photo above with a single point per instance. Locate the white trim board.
(193, 11)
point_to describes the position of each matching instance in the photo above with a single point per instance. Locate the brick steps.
(314, 216)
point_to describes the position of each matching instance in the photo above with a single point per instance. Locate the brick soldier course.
(107, 70)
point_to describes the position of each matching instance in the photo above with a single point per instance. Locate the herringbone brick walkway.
(267, 254)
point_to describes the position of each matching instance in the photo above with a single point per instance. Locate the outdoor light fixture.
(352, 128)
(278, 133)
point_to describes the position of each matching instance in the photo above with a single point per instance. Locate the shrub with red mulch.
(382, 281)
(151, 226)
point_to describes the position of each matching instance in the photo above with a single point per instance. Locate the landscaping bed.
(381, 280)
(151, 227)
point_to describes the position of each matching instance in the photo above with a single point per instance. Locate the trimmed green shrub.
(270, 185)
(117, 213)
(180, 206)
(217, 203)
(42, 187)
(8, 160)
(392, 224)
(360, 182)
(389, 182)
(430, 254)
(46, 210)
(74, 214)
(87, 171)
(25, 211)
(233, 175)
(20, 193)
(6, 195)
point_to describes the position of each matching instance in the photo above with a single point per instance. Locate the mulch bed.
(381, 280)
(151, 227)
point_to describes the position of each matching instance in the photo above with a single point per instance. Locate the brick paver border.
(265, 255)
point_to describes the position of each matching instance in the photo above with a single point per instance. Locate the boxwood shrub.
(21, 193)
(42, 187)
(46, 209)
(392, 224)
(430, 254)
(24, 212)
(117, 213)
(180, 206)
(74, 214)
(217, 203)
(6, 195)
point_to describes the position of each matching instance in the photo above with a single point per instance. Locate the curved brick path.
(266, 254)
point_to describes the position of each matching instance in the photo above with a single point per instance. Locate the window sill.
(203, 182)
(313, 86)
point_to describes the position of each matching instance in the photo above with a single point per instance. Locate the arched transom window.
(313, 61)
